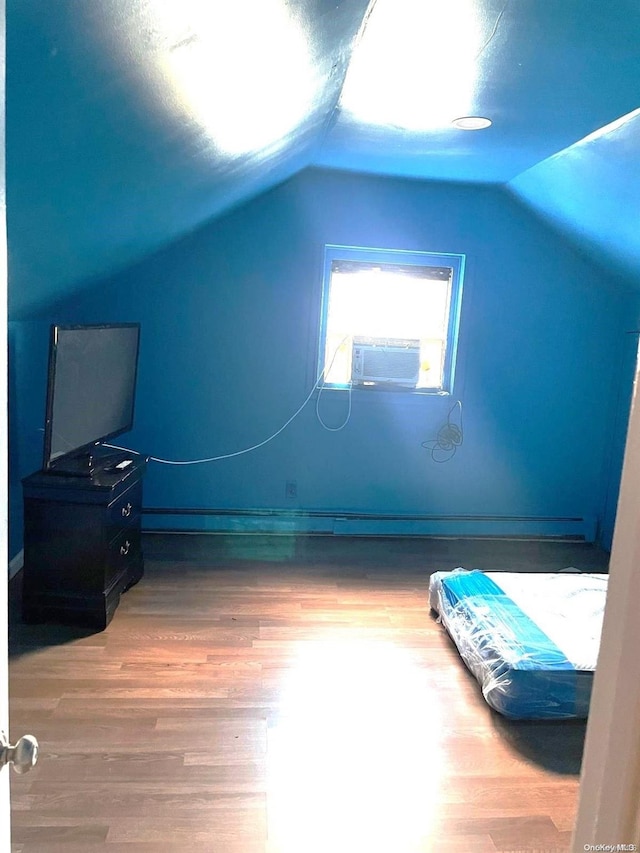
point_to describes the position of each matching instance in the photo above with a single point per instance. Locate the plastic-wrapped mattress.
(531, 640)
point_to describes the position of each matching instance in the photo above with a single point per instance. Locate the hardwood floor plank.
(259, 694)
(154, 846)
(131, 802)
(59, 832)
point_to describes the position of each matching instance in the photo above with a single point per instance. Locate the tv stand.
(82, 543)
(91, 463)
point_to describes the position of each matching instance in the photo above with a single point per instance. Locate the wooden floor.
(284, 695)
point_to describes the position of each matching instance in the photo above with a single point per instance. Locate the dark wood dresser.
(82, 546)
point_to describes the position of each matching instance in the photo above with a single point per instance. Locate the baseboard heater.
(211, 520)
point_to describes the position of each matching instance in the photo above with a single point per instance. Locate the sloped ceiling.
(590, 192)
(131, 122)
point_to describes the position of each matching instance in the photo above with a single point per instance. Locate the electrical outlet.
(291, 489)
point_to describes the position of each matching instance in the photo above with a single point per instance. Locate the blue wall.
(229, 339)
(28, 344)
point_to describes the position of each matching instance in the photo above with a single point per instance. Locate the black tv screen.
(90, 391)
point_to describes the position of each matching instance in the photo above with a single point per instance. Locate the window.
(395, 312)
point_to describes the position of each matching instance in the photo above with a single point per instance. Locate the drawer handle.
(126, 510)
(124, 549)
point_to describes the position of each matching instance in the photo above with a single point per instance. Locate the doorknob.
(23, 755)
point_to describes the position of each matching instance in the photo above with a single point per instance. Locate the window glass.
(411, 304)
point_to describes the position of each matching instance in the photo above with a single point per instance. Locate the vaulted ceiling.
(130, 122)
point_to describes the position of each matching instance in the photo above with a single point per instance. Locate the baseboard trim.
(16, 563)
(198, 520)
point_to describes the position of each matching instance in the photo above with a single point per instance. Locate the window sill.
(373, 390)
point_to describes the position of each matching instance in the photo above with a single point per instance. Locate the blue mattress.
(523, 672)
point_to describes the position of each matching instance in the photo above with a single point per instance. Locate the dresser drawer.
(123, 552)
(124, 511)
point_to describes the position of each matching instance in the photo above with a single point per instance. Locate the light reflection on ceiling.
(243, 71)
(132, 122)
(415, 66)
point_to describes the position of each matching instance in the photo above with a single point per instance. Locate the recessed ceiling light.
(472, 122)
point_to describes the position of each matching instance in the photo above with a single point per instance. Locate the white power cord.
(319, 383)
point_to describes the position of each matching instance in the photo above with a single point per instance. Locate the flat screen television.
(90, 394)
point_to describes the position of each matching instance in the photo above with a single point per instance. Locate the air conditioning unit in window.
(385, 361)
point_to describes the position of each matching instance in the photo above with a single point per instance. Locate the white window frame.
(405, 258)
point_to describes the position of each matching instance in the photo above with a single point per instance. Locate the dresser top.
(102, 486)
